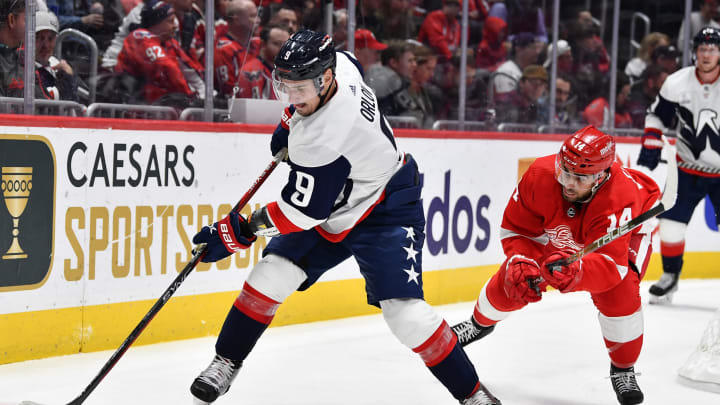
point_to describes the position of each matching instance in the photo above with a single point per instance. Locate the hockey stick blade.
(666, 202)
(198, 253)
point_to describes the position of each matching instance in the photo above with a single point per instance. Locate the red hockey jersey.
(538, 220)
(230, 58)
(255, 80)
(157, 63)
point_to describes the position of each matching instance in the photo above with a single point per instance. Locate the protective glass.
(566, 177)
(294, 92)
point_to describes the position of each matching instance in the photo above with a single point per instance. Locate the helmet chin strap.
(324, 97)
(595, 188)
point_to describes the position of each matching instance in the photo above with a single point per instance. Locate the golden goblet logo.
(16, 183)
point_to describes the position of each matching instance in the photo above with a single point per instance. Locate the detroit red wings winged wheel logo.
(561, 237)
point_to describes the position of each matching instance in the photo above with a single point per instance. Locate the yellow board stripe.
(40, 334)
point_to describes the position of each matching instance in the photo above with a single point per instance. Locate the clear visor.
(293, 92)
(567, 178)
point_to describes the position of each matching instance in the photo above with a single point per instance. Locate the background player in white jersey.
(563, 203)
(350, 193)
(692, 95)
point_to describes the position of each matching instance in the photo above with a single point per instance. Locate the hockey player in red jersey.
(237, 46)
(255, 78)
(152, 55)
(562, 203)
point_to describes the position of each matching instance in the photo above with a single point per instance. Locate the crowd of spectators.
(153, 52)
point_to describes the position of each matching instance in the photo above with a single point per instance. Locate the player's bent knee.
(411, 320)
(276, 277)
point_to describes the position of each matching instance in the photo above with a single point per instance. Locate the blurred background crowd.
(154, 53)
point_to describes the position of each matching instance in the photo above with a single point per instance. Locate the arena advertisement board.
(111, 213)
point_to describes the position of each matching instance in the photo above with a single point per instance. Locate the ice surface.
(550, 353)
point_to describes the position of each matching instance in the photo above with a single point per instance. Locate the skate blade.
(661, 299)
(199, 402)
(29, 403)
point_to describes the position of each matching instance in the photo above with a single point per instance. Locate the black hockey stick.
(198, 253)
(666, 202)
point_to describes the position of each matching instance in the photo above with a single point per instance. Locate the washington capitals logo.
(562, 238)
(706, 130)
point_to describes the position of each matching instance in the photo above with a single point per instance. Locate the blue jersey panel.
(691, 190)
(314, 190)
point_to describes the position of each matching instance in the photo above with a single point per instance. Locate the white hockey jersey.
(696, 105)
(341, 158)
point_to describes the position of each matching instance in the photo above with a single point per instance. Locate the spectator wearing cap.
(153, 56)
(493, 49)
(255, 77)
(667, 57)
(441, 30)
(564, 57)
(367, 48)
(597, 113)
(706, 17)
(635, 67)
(643, 93)
(55, 78)
(522, 105)
(12, 32)
(391, 80)
(420, 103)
(236, 48)
(524, 52)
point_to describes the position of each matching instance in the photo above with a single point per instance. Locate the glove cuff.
(522, 259)
(228, 232)
(652, 139)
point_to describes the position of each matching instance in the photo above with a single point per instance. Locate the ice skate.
(469, 331)
(662, 292)
(625, 385)
(214, 380)
(481, 397)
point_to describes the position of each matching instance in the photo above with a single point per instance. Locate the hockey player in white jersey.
(350, 193)
(691, 94)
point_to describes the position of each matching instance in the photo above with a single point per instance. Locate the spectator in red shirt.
(441, 29)
(493, 49)
(367, 48)
(221, 27)
(152, 55)
(598, 110)
(255, 78)
(233, 50)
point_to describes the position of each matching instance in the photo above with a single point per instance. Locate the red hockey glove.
(567, 277)
(225, 237)
(652, 145)
(520, 273)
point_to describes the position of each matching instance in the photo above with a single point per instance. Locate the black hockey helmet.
(306, 55)
(707, 35)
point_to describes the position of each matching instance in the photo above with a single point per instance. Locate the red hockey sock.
(624, 355)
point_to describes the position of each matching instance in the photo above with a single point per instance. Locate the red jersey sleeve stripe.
(282, 223)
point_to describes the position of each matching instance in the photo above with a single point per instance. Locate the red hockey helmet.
(587, 151)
